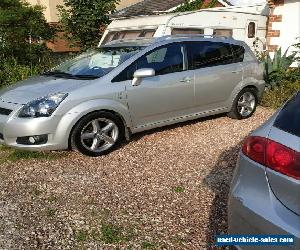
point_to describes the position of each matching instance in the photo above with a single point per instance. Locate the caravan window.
(223, 32)
(251, 30)
(128, 34)
(182, 31)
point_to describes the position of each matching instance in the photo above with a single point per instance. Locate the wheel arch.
(107, 110)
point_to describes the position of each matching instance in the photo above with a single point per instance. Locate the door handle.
(186, 80)
(236, 71)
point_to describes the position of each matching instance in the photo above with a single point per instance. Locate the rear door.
(286, 131)
(217, 72)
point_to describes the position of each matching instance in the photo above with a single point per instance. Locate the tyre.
(97, 133)
(244, 104)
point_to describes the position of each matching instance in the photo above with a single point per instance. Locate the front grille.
(1, 137)
(4, 111)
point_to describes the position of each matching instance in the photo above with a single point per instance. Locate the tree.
(23, 32)
(192, 5)
(83, 21)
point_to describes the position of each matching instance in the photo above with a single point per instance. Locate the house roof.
(150, 7)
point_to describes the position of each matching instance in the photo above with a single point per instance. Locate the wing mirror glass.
(140, 74)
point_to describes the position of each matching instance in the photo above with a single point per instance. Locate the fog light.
(33, 140)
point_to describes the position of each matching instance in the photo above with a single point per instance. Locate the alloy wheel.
(99, 135)
(246, 104)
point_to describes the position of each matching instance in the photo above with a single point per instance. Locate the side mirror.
(140, 74)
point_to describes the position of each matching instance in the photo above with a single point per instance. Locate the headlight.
(42, 107)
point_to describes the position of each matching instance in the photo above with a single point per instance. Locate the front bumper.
(253, 208)
(12, 127)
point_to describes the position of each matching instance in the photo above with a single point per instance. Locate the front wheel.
(244, 104)
(97, 133)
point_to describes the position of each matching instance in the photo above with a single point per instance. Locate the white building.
(284, 24)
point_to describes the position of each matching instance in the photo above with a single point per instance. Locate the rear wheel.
(244, 104)
(97, 133)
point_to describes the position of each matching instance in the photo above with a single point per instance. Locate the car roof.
(144, 42)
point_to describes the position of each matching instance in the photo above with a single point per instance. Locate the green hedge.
(12, 72)
(279, 95)
(288, 84)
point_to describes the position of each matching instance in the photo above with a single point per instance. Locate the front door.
(167, 95)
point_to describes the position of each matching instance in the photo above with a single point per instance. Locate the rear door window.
(288, 119)
(208, 54)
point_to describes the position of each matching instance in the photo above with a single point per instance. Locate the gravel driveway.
(166, 189)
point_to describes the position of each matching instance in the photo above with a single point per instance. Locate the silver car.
(265, 192)
(91, 102)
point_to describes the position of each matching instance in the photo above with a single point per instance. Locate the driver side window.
(164, 60)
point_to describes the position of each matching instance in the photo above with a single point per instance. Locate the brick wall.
(273, 19)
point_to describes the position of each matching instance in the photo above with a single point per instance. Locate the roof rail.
(198, 35)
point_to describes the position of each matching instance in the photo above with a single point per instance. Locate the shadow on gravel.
(138, 136)
(219, 180)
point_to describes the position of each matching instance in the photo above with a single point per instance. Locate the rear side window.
(208, 54)
(238, 53)
(288, 119)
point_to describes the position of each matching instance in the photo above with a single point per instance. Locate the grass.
(179, 189)
(52, 199)
(81, 235)
(36, 192)
(14, 155)
(148, 245)
(111, 233)
(51, 212)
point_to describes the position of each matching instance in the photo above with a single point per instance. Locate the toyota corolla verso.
(265, 193)
(91, 102)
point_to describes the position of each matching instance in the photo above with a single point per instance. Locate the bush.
(276, 69)
(279, 94)
(11, 71)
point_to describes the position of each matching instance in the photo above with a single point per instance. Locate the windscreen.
(95, 63)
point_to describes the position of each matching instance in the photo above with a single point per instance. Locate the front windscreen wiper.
(58, 74)
(86, 76)
(68, 75)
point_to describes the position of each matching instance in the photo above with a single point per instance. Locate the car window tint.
(164, 60)
(207, 54)
(126, 74)
(238, 53)
(288, 119)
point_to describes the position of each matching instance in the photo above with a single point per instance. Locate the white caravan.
(246, 23)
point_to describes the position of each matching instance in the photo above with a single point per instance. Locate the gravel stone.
(165, 189)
